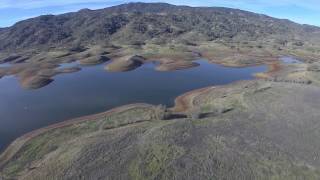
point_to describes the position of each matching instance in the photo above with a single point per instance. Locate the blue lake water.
(94, 90)
(290, 60)
(5, 65)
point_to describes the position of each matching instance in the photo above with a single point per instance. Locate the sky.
(300, 11)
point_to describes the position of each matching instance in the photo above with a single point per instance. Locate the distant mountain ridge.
(151, 22)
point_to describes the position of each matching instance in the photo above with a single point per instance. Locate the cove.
(93, 90)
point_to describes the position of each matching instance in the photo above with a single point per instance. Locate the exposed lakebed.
(94, 90)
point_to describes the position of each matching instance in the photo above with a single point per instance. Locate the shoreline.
(185, 101)
(18, 143)
(273, 67)
(182, 103)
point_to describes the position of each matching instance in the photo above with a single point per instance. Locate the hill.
(172, 35)
(158, 23)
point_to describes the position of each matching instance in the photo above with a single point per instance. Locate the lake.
(290, 60)
(94, 90)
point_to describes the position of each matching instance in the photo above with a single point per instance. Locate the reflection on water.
(69, 65)
(290, 60)
(5, 65)
(94, 90)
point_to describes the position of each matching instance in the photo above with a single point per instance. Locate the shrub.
(160, 112)
(194, 113)
(76, 46)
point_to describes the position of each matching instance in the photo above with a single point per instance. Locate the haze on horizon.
(300, 11)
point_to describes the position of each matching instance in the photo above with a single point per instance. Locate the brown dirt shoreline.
(272, 69)
(185, 101)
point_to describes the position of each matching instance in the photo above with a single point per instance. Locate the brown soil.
(185, 101)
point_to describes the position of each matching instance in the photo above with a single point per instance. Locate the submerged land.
(267, 128)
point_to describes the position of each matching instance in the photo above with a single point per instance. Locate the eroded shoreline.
(182, 104)
(36, 70)
(235, 107)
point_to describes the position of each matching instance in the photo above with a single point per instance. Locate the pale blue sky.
(301, 11)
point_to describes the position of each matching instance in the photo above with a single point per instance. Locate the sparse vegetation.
(244, 143)
(160, 112)
(248, 130)
(194, 113)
